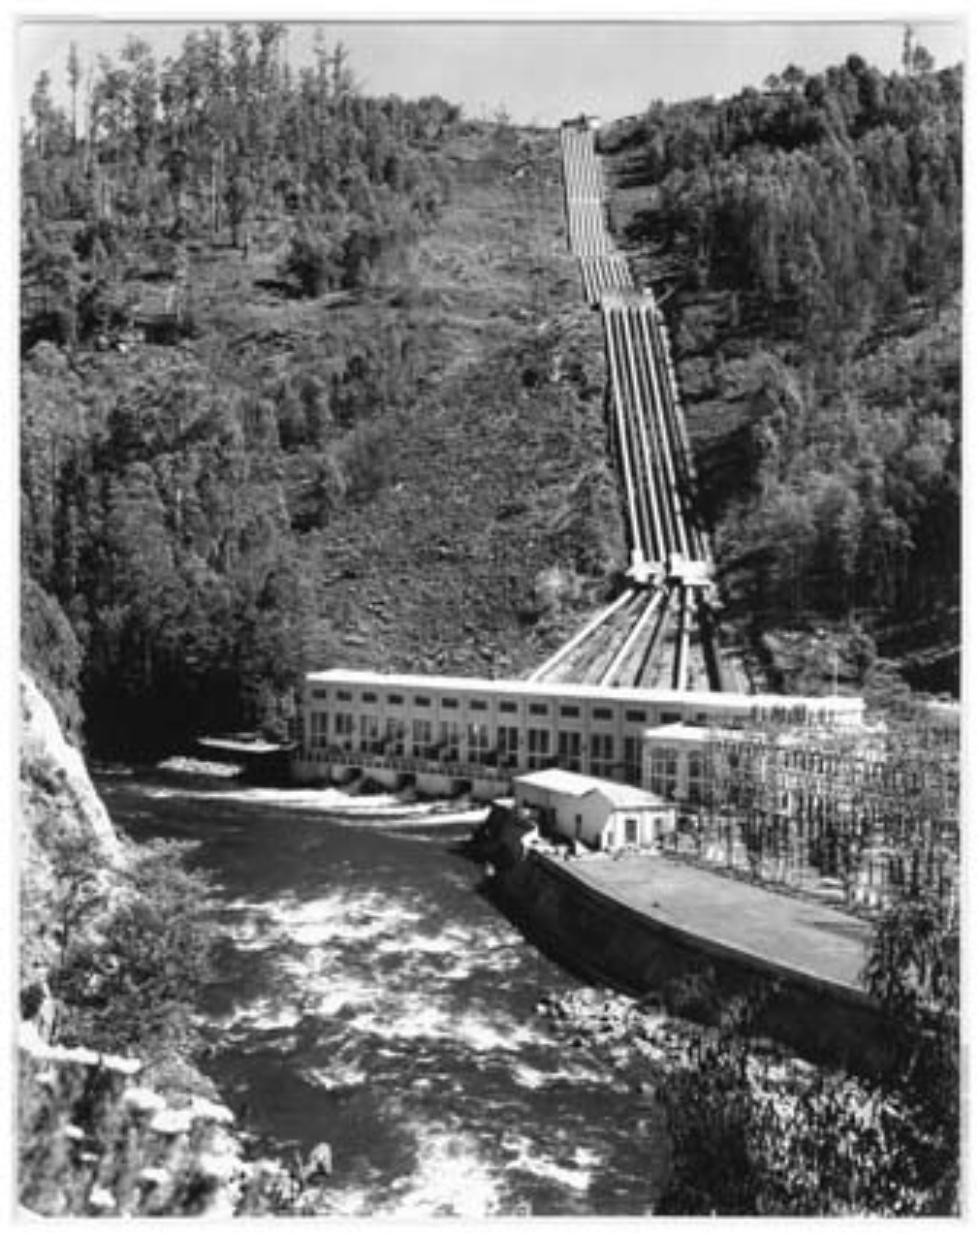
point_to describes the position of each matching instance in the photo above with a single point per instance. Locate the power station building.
(456, 734)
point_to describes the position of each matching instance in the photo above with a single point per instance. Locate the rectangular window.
(538, 710)
(346, 696)
(637, 716)
(538, 745)
(318, 730)
(631, 759)
(478, 705)
(449, 741)
(479, 743)
(570, 750)
(396, 699)
(422, 701)
(568, 710)
(602, 714)
(450, 703)
(344, 728)
(421, 738)
(369, 697)
(507, 706)
(695, 778)
(601, 754)
(508, 744)
(663, 771)
(319, 693)
(369, 733)
(395, 736)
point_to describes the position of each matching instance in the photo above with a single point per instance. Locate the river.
(371, 998)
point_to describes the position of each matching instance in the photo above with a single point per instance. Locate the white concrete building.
(458, 732)
(603, 815)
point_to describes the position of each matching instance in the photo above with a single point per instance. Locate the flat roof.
(249, 746)
(558, 779)
(627, 796)
(578, 785)
(677, 731)
(772, 930)
(563, 690)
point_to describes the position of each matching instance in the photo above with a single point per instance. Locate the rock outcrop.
(53, 774)
(65, 834)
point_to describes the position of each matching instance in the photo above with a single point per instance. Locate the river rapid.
(371, 998)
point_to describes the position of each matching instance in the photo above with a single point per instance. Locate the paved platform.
(780, 933)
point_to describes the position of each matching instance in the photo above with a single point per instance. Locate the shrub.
(137, 987)
(311, 261)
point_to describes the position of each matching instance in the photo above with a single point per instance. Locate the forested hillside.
(807, 239)
(307, 379)
(302, 383)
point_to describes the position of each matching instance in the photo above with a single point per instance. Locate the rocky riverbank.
(793, 1121)
(641, 1037)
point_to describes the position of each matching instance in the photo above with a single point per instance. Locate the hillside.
(807, 244)
(501, 518)
(358, 419)
(349, 408)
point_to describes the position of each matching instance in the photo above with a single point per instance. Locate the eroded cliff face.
(66, 836)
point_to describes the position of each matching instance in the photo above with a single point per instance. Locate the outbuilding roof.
(576, 785)
(625, 797)
(558, 780)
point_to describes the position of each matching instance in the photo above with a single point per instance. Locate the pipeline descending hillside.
(661, 630)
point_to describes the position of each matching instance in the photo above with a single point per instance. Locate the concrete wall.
(604, 941)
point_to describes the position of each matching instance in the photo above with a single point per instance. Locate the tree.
(341, 77)
(239, 199)
(913, 970)
(51, 283)
(922, 60)
(74, 80)
(42, 111)
(144, 95)
(312, 261)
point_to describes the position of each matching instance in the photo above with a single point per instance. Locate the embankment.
(606, 941)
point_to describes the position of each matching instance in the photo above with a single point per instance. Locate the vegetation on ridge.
(808, 242)
(367, 434)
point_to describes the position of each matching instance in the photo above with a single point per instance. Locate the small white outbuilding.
(604, 815)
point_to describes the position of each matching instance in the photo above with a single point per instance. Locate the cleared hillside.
(412, 474)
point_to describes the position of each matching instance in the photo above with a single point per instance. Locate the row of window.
(634, 716)
(449, 742)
